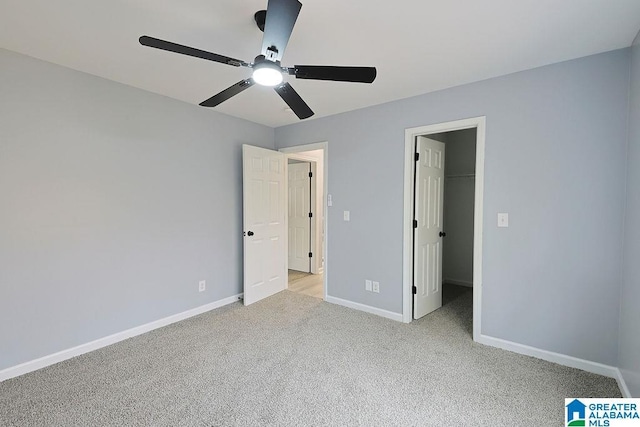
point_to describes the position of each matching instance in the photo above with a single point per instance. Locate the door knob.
(442, 234)
(250, 233)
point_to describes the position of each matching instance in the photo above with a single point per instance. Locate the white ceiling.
(418, 46)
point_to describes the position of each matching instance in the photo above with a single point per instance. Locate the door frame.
(479, 123)
(291, 152)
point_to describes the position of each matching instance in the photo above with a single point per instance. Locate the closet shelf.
(468, 175)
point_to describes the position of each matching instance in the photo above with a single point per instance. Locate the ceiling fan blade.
(281, 17)
(338, 74)
(228, 93)
(186, 50)
(293, 100)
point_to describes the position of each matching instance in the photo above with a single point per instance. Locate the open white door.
(427, 249)
(299, 216)
(265, 269)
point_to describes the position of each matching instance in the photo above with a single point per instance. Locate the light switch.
(503, 220)
(329, 200)
(347, 216)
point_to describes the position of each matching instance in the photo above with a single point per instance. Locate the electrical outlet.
(202, 286)
(367, 285)
(376, 287)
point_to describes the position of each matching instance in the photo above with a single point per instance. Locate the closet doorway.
(444, 171)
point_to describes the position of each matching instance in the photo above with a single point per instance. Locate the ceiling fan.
(277, 24)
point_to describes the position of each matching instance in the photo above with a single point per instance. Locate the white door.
(427, 250)
(265, 269)
(299, 220)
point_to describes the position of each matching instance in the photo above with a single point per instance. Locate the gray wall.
(114, 202)
(630, 315)
(555, 160)
(459, 192)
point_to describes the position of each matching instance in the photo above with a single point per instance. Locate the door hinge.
(417, 156)
(310, 254)
(310, 215)
(415, 223)
(310, 174)
(414, 290)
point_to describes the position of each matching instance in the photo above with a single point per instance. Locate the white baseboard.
(458, 282)
(560, 359)
(622, 384)
(366, 308)
(51, 359)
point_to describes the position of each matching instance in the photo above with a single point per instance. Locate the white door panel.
(428, 241)
(263, 222)
(299, 221)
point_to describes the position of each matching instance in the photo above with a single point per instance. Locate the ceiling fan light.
(267, 75)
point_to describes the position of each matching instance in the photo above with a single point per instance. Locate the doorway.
(306, 225)
(430, 219)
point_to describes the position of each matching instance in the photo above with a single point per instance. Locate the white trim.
(324, 146)
(366, 308)
(410, 134)
(550, 356)
(301, 157)
(314, 231)
(478, 210)
(407, 227)
(69, 353)
(622, 384)
(458, 282)
(305, 147)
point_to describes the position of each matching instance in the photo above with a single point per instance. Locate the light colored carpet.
(294, 360)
